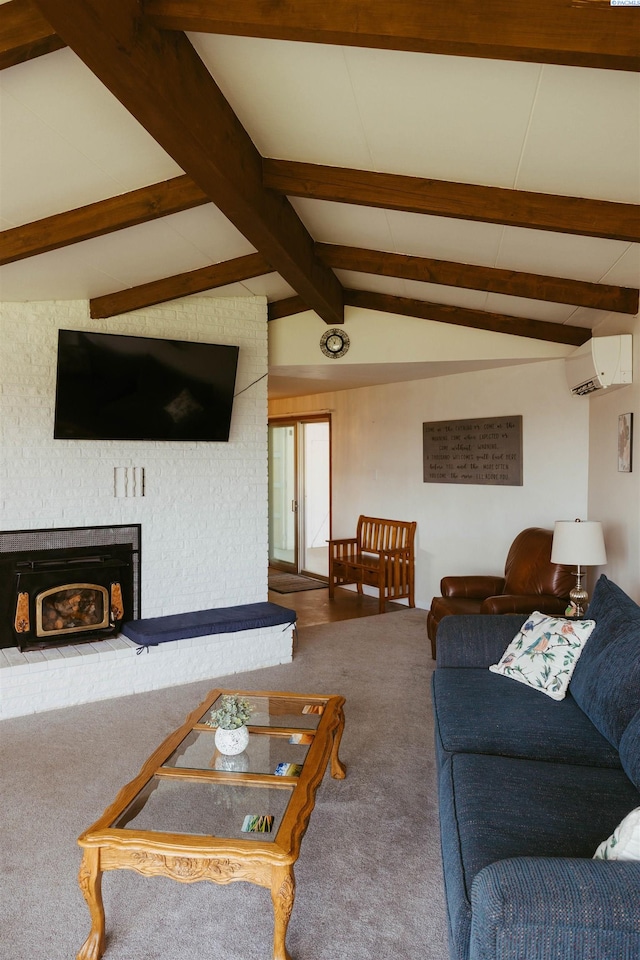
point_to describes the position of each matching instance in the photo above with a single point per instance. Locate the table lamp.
(578, 542)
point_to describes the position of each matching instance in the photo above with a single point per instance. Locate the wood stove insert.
(79, 584)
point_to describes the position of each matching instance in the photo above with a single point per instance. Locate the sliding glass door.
(282, 496)
(299, 495)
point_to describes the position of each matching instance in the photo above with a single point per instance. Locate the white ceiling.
(67, 142)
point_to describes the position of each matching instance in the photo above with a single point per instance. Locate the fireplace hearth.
(68, 585)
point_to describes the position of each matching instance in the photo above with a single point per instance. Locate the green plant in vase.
(233, 712)
(230, 719)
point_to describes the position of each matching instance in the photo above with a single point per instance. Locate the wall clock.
(334, 343)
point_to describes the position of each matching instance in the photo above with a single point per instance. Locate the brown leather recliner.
(531, 582)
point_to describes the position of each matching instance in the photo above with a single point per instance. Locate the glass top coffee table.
(194, 814)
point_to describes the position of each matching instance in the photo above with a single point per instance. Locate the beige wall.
(614, 498)
(377, 462)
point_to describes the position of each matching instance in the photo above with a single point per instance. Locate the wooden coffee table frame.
(188, 857)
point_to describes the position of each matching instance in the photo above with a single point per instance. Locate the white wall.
(377, 463)
(204, 516)
(614, 498)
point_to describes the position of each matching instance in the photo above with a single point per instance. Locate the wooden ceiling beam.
(441, 313)
(463, 317)
(463, 201)
(24, 33)
(605, 40)
(180, 193)
(597, 296)
(162, 82)
(287, 307)
(547, 31)
(180, 285)
(100, 218)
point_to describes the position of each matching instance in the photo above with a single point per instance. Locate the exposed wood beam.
(181, 193)
(162, 82)
(97, 219)
(180, 285)
(459, 316)
(463, 317)
(546, 31)
(598, 296)
(286, 308)
(24, 33)
(463, 201)
(609, 43)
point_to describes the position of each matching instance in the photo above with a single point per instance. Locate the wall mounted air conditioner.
(599, 363)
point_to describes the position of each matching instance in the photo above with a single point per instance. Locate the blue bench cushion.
(201, 623)
(606, 680)
(495, 808)
(481, 712)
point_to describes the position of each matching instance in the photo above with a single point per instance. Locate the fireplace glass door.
(70, 608)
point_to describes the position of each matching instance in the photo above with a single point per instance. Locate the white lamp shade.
(578, 541)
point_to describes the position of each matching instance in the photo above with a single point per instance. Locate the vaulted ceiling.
(474, 164)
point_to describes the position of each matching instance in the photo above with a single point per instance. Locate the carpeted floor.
(369, 883)
(293, 583)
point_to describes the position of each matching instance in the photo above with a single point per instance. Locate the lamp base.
(579, 596)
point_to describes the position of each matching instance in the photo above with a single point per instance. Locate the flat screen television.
(115, 387)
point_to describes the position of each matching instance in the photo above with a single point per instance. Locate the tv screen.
(115, 387)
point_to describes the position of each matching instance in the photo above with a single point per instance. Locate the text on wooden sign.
(483, 451)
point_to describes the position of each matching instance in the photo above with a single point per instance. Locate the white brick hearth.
(40, 680)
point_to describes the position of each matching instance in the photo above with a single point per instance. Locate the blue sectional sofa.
(530, 786)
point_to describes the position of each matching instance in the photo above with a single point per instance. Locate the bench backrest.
(374, 534)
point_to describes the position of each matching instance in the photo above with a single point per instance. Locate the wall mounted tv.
(114, 387)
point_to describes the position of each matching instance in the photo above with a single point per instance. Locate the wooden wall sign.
(483, 451)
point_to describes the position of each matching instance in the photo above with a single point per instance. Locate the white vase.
(231, 742)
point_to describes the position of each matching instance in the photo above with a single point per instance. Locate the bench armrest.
(472, 588)
(531, 908)
(344, 549)
(469, 640)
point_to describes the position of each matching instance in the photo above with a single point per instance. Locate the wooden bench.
(380, 555)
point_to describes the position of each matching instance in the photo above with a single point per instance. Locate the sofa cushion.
(472, 641)
(551, 908)
(481, 712)
(544, 652)
(606, 680)
(608, 607)
(494, 808)
(630, 750)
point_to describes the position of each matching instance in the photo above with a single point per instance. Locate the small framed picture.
(625, 442)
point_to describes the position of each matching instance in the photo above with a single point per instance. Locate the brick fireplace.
(202, 510)
(67, 585)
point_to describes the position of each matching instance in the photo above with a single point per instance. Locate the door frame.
(296, 421)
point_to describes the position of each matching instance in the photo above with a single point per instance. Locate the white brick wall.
(204, 514)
